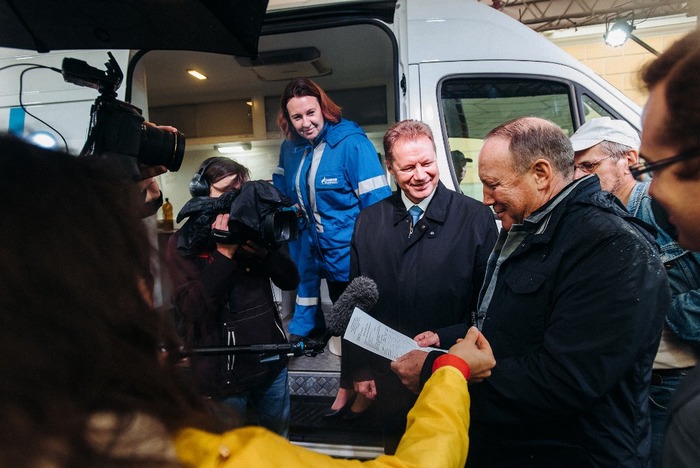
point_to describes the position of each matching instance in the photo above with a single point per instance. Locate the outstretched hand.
(408, 367)
(427, 338)
(475, 349)
(366, 388)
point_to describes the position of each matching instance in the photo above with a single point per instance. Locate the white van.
(459, 65)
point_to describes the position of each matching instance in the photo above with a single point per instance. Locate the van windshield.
(471, 107)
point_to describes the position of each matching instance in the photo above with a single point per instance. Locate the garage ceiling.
(169, 86)
(546, 15)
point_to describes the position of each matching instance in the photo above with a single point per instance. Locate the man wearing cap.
(607, 148)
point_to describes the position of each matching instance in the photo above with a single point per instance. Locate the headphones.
(199, 187)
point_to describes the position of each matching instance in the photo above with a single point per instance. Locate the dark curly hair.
(678, 68)
(78, 335)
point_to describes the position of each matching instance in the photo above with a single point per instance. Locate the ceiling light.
(196, 74)
(617, 33)
(43, 139)
(235, 148)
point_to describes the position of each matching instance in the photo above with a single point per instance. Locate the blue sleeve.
(278, 176)
(365, 172)
(684, 317)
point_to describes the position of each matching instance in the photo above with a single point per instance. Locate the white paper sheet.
(374, 336)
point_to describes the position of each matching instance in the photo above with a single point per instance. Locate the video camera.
(117, 128)
(258, 212)
(271, 230)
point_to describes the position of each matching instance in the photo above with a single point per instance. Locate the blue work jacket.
(349, 178)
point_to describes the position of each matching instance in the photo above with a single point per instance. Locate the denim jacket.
(682, 266)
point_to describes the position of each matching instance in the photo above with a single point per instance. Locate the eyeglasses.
(588, 166)
(638, 170)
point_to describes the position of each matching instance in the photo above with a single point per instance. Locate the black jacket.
(681, 444)
(574, 322)
(427, 281)
(229, 302)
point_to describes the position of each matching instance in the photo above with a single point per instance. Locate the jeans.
(660, 397)
(270, 403)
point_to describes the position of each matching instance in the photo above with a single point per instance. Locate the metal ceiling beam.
(545, 15)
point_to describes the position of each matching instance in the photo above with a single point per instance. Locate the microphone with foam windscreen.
(362, 292)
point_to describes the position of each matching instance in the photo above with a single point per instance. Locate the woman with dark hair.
(84, 383)
(222, 289)
(329, 167)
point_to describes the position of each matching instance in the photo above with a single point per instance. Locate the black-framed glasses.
(588, 166)
(638, 170)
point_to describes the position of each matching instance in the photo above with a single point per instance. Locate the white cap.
(605, 129)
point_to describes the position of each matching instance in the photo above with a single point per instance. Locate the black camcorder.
(273, 229)
(117, 129)
(258, 212)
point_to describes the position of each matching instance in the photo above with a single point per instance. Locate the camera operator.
(221, 277)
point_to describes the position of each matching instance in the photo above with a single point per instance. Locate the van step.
(359, 438)
(314, 383)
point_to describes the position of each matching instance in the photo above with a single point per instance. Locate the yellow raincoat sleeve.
(436, 436)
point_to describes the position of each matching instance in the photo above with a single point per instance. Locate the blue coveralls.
(349, 177)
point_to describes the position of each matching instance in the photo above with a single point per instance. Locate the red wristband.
(454, 361)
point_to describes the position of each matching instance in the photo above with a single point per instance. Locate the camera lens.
(161, 148)
(279, 227)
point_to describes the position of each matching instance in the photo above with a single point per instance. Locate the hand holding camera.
(226, 245)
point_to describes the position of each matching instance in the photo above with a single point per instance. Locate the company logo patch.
(329, 180)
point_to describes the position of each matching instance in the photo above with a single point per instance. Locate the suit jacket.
(426, 281)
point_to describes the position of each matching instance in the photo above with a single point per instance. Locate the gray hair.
(533, 138)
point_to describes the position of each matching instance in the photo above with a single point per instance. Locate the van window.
(472, 106)
(592, 109)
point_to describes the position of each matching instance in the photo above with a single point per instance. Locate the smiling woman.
(331, 171)
(238, 103)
